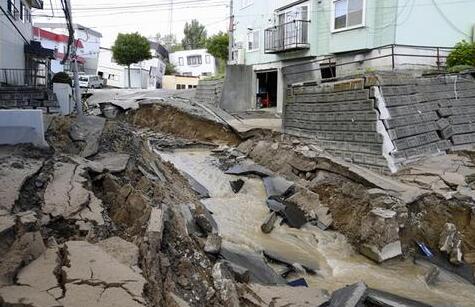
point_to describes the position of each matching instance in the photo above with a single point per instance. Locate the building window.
(194, 60)
(10, 6)
(253, 40)
(180, 61)
(22, 11)
(208, 59)
(348, 14)
(246, 3)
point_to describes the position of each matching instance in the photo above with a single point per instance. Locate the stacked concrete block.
(340, 117)
(26, 97)
(455, 96)
(209, 91)
(385, 120)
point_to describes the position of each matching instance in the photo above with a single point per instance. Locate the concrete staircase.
(26, 97)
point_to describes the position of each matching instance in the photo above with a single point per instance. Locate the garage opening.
(266, 90)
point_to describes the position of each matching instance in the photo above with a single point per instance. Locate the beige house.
(180, 82)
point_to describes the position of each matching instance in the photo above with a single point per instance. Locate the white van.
(90, 81)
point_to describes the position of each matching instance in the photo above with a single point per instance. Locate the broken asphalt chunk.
(259, 271)
(247, 168)
(237, 185)
(282, 258)
(381, 298)
(277, 186)
(301, 282)
(196, 186)
(88, 130)
(275, 204)
(294, 216)
(349, 296)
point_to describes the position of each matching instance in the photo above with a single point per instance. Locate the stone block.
(401, 132)
(463, 139)
(410, 119)
(415, 141)
(394, 101)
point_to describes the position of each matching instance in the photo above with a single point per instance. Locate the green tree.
(170, 69)
(131, 48)
(463, 54)
(218, 45)
(195, 36)
(169, 41)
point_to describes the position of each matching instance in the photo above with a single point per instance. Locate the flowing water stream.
(239, 217)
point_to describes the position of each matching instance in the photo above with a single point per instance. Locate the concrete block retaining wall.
(209, 91)
(384, 121)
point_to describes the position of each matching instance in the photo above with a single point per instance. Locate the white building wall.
(11, 43)
(146, 75)
(206, 68)
(91, 41)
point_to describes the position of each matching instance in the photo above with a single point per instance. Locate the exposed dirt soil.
(167, 119)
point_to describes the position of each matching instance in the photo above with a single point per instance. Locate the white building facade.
(147, 74)
(196, 63)
(15, 31)
(55, 35)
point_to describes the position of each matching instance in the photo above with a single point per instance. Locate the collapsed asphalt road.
(102, 219)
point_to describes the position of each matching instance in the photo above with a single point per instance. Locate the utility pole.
(77, 90)
(231, 31)
(171, 19)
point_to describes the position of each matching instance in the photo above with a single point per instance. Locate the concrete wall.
(171, 82)
(239, 82)
(11, 42)
(22, 127)
(385, 120)
(209, 91)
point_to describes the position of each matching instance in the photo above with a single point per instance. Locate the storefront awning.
(35, 49)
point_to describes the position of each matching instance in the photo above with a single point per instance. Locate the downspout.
(396, 22)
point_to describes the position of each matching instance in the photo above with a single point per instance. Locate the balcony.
(287, 37)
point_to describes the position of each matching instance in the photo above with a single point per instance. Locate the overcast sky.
(148, 17)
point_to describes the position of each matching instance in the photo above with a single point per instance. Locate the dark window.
(22, 11)
(178, 86)
(194, 60)
(10, 6)
(328, 71)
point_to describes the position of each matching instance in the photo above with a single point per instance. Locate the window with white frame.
(246, 3)
(348, 14)
(194, 60)
(253, 40)
(180, 61)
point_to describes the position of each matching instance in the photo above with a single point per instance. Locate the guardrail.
(287, 36)
(439, 54)
(23, 77)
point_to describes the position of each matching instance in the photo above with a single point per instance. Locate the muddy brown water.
(239, 217)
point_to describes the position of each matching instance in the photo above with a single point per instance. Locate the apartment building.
(334, 38)
(195, 63)
(22, 61)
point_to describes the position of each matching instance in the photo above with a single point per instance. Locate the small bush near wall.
(463, 54)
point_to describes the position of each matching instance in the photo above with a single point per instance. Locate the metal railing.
(23, 77)
(436, 56)
(288, 36)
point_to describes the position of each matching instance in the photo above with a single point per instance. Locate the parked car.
(90, 82)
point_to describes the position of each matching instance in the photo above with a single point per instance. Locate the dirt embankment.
(167, 119)
(351, 199)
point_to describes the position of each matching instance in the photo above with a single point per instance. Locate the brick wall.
(383, 121)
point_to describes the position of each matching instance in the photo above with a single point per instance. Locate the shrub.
(62, 77)
(463, 54)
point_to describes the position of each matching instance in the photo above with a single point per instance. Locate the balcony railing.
(286, 37)
(23, 77)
